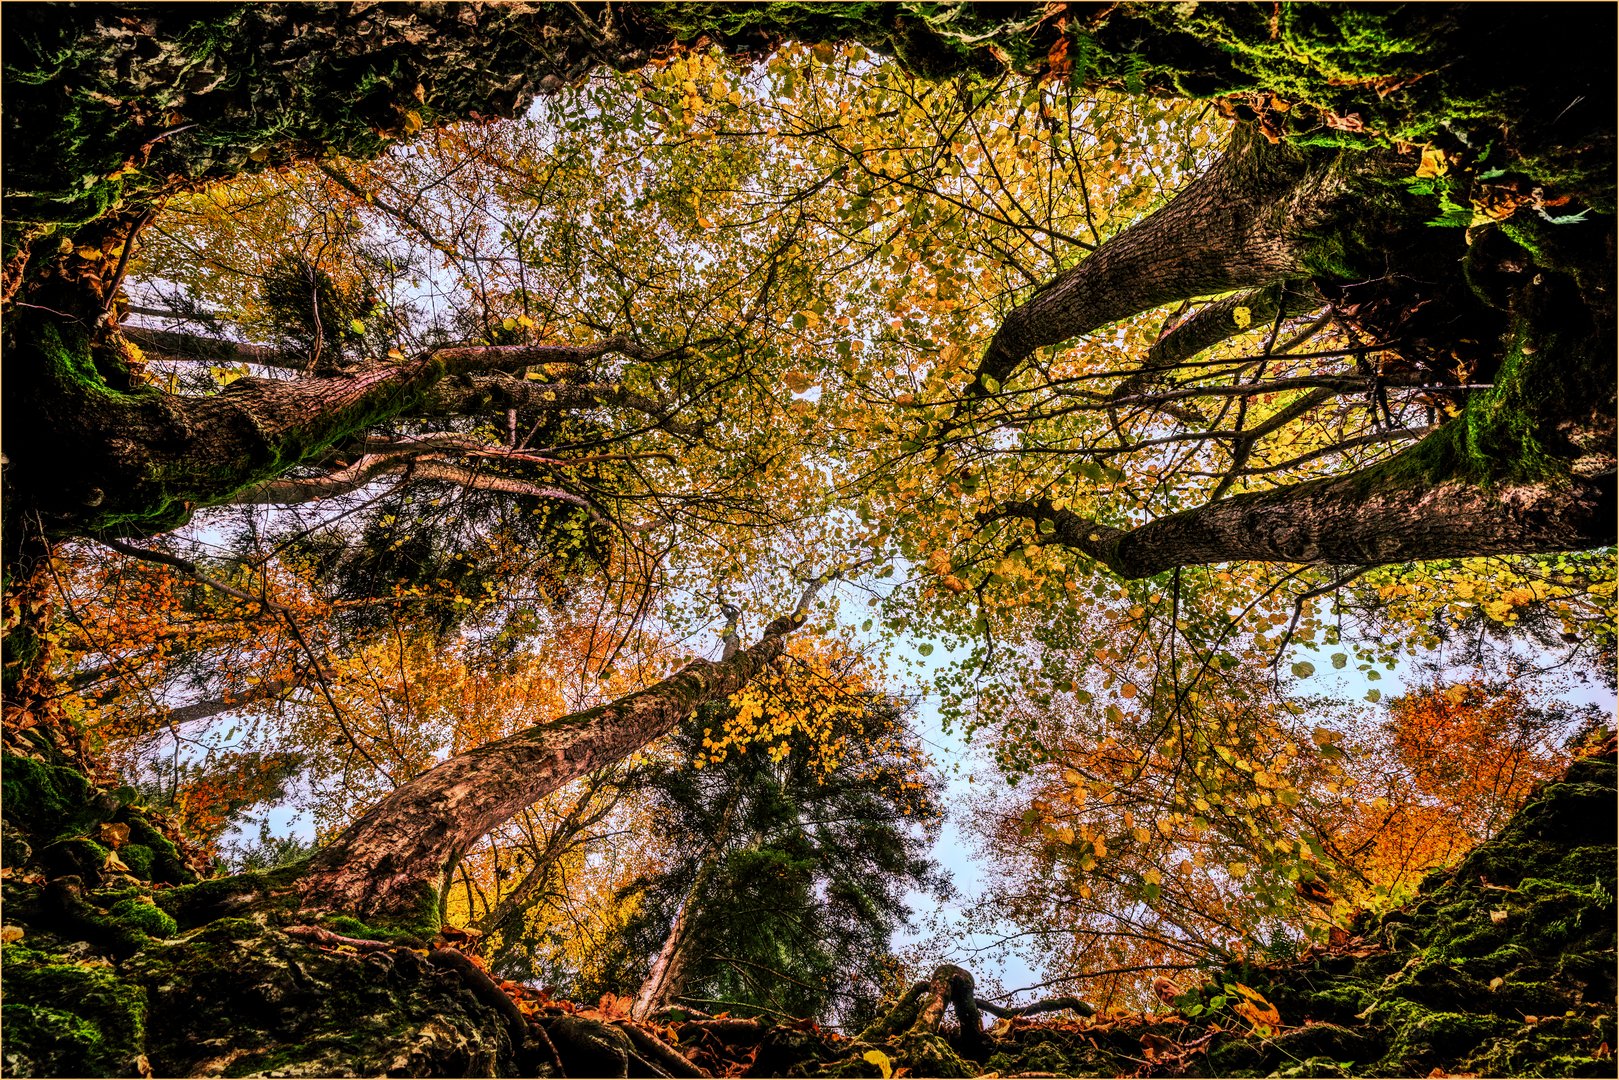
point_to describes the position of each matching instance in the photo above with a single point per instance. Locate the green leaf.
(1374, 695)
(357, 326)
(1304, 669)
(990, 383)
(924, 649)
(1339, 660)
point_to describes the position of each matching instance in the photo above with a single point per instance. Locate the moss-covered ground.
(119, 961)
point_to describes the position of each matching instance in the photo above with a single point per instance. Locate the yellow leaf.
(1433, 163)
(1256, 1010)
(1242, 317)
(412, 122)
(879, 1059)
(1237, 869)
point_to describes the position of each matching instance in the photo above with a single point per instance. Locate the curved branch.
(183, 346)
(476, 394)
(1216, 322)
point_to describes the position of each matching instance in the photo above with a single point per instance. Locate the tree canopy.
(499, 432)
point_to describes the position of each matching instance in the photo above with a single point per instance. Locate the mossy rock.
(70, 1019)
(1523, 926)
(238, 997)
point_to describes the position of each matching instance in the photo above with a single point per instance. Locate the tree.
(1262, 181)
(1430, 237)
(791, 852)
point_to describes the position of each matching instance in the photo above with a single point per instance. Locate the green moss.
(214, 899)
(48, 801)
(151, 855)
(145, 917)
(67, 1019)
(413, 927)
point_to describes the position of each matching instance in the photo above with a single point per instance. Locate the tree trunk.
(1245, 223)
(1387, 513)
(396, 857)
(667, 976)
(90, 459)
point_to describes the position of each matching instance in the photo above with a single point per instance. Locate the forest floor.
(119, 961)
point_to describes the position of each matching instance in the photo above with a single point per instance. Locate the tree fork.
(1247, 222)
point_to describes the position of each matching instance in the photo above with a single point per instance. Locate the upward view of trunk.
(89, 459)
(403, 849)
(667, 976)
(1242, 224)
(1384, 514)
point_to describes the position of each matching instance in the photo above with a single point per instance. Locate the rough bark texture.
(1246, 222)
(1356, 520)
(87, 456)
(397, 856)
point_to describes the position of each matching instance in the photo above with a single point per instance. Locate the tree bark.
(667, 976)
(140, 462)
(399, 854)
(1245, 223)
(181, 346)
(1390, 512)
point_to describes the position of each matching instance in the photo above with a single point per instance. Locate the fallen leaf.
(1433, 163)
(879, 1059)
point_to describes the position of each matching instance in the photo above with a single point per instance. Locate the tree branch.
(1387, 512)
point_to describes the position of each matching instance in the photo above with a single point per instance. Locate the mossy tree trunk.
(1252, 220)
(395, 860)
(1527, 466)
(89, 457)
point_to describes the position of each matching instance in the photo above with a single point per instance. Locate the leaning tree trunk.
(1385, 514)
(395, 859)
(88, 458)
(1528, 467)
(1245, 223)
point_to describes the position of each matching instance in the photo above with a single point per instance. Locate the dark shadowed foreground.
(120, 963)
